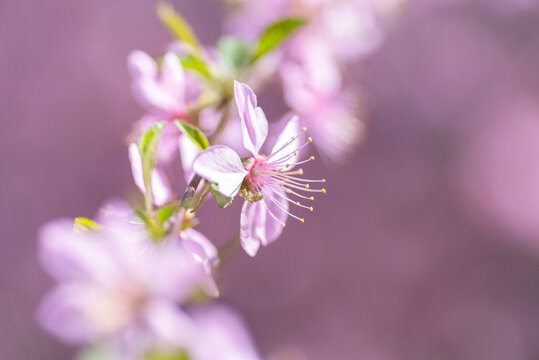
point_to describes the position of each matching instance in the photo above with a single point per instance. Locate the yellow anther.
(307, 186)
(311, 208)
(302, 220)
(298, 204)
(323, 180)
(304, 128)
(283, 224)
(311, 158)
(309, 139)
(288, 191)
(312, 197)
(294, 137)
(323, 191)
(287, 165)
(300, 171)
(281, 183)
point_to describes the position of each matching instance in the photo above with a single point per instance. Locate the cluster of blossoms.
(134, 283)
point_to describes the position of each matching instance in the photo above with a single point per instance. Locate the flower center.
(272, 179)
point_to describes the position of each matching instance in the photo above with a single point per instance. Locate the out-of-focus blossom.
(164, 95)
(116, 285)
(204, 252)
(160, 187)
(263, 181)
(220, 334)
(312, 88)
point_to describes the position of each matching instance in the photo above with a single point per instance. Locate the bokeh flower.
(116, 285)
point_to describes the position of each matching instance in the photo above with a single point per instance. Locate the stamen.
(282, 147)
(304, 128)
(285, 210)
(290, 191)
(310, 139)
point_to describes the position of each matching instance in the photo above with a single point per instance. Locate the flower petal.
(221, 334)
(254, 124)
(141, 65)
(278, 206)
(160, 188)
(136, 167)
(173, 78)
(145, 86)
(68, 256)
(63, 313)
(188, 153)
(221, 165)
(286, 145)
(252, 226)
(169, 324)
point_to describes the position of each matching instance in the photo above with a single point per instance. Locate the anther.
(312, 197)
(298, 204)
(287, 165)
(283, 224)
(311, 158)
(311, 208)
(295, 153)
(304, 128)
(300, 171)
(281, 183)
(302, 220)
(323, 191)
(307, 186)
(309, 139)
(323, 180)
(288, 191)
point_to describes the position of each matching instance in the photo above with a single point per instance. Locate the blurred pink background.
(427, 243)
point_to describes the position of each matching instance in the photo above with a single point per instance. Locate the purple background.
(427, 243)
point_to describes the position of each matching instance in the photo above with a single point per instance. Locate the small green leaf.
(141, 215)
(235, 52)
(275, 34)
(148, 145)
(194, 134)
(222, 201)
(196, 64)
(82, 224)
(167, 355)
(95, 353)
(177, 25)
(166, 212)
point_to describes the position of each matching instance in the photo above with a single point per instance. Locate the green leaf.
(82, 224)
(167, 355)
(166, 212)
(95, 353)
(222, 201)
(194, 134)
(235, 52)
(275, 34)
(148, 146)
(196, 64)
(177, 25)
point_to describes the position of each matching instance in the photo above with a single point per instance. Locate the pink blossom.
(312, 88)
(264, 181)
(163, 94)
(220, 334)
(115, 283)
